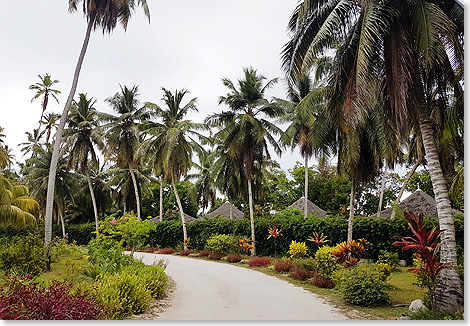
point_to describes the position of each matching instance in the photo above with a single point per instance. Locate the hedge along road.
(207, 290)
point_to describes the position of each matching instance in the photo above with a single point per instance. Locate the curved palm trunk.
(55, 153)
(382, 189)
(136, 191)
(252, 220)
(405, 184)
(185, 235)
(306, 186)
(93, 200)
(449, 293)
(161, 200)
(61, 217)
(351, 210)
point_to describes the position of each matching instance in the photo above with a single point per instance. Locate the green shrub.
(390, 258)
(325, 263)
(223, 244)
(384, 270)
(125, 293)
(297, 249)
(152, 276)
(362, 285)
(23, 256)
(306, 264)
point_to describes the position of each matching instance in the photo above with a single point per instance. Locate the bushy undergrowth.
(21, 299)
(24, 255)
(283, 266)
(166, 251)
(185, 252)
(362, 285)
(301, 274)
(204, 253)
(214, 255)
(259, 261)
(234, 258)
(222, 244)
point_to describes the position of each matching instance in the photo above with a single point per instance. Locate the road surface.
(207, 290)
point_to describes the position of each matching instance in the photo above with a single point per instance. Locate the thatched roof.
(417, 202)
(224, 211)
(187, 218)
(311, 207)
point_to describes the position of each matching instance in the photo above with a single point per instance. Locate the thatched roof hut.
(228, 211)
(311, 207)
(417, 202)
(187, 218)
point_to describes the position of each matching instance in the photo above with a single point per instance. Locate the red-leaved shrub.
(283, 266)
(322, 281)
(185, 252)
(204, 253)
(301, 274)
(166, 251)
(259, 261)
(214, 255)
(27, 301)
(151, 250)
(234, 258)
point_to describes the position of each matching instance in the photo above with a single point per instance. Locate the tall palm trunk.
(61, 218)
(55, 153)
(93, 200)
(185, 235)
(161, 199)
(351, 209)
(136, 191)
(449, 293)
(382, 189)
(252, 220)
(306, 186)
(405, 184)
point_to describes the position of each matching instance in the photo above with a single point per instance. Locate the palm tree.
(173, 141)
(410, 49)
(122, 132)
(204, 189)
(80, 140)
(33, 142)
(44, 89)
(6, 160)
(243, 133)
(50, 121)
(100, 14)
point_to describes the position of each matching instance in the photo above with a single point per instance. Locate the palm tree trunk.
(136, 190)
(61, 217)
(93, 200)
(351, 210)
(306, 186)
(405, 184)
(185, 235)
(449, 293)
(161, 199)
(382, 189)
(231, 212)
(55, 153)
(252, 220)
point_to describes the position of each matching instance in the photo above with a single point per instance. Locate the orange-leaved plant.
(349, 252)
(274, 232)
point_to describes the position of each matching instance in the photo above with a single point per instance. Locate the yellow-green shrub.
(297, 249)
(385, 270)
(152, 276)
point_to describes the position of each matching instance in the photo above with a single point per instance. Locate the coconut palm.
(244, 133)
(50, 121)
(33, 142)
(100, 14)
(44, 89)
(204, 189)
(80, 141)
(409, 49)
(173, 141)
(6, 159)
(122, 132)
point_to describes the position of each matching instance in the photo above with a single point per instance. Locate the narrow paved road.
(207, 290)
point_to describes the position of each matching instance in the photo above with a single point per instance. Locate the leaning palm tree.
(204, 189)
(50, 122)
(122, 132)
(80, 141)
(100, 14)
(33, 142)
(244, 133)
(44, 89)
(173, 141)
(410, 49)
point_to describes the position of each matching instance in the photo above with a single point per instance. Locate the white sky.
(188, 44)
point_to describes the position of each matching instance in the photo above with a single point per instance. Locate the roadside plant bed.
(259, 261)
(166, 251)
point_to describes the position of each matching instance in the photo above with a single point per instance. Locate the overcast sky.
(188, 44)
